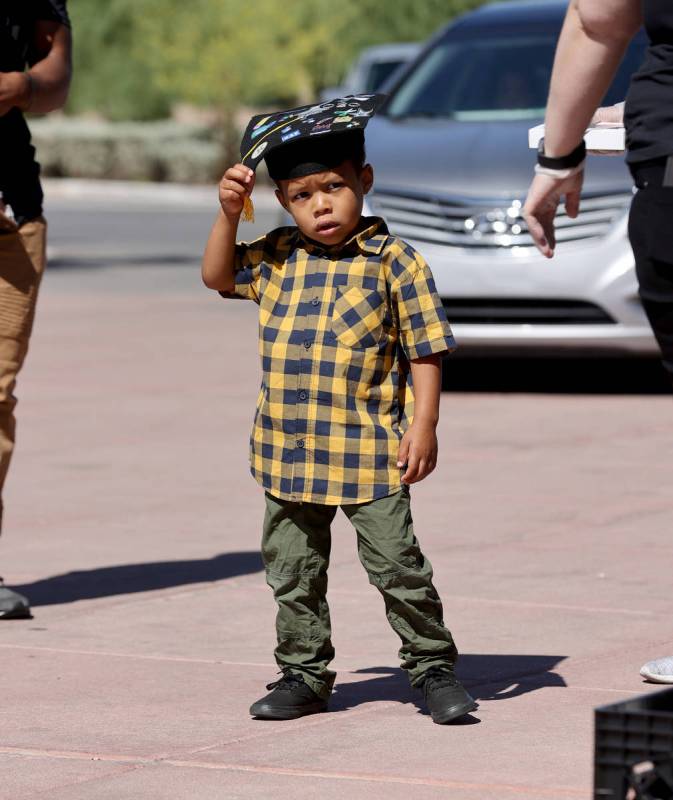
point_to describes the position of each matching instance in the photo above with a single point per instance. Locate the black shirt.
(648, 115)
(19, 172)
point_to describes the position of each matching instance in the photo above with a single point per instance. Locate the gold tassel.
(248, 209)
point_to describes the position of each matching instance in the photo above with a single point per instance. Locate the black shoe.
(13, 605)
(290, 698)
(445, 696)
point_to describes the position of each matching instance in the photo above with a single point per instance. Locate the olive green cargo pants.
(296, 550)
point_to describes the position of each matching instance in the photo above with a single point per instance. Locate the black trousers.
(651, 235)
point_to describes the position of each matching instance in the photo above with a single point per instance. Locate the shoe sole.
(454, 713)
(20, 613)
(277, 715)
(654, 678)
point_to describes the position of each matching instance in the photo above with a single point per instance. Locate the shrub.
(164, 150)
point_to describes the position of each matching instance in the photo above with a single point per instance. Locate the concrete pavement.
(133, 524)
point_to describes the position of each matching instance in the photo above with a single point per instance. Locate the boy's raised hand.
(237, 182)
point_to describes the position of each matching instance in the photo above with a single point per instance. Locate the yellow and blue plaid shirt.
(337, 327)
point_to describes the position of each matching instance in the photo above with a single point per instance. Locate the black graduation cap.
(308, 139)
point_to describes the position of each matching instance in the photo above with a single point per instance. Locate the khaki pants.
(22, 262)
(296, 550)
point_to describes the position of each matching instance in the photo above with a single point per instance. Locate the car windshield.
(379, 72)
(491, 78)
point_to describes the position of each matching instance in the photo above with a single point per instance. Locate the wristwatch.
(570, 161)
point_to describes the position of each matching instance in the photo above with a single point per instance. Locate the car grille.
(497, 311)
(473, 224)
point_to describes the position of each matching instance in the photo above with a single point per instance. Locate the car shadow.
(132, 578)
(487, 677)
(604, 376)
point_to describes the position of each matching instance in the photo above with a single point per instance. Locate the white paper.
(604, 136)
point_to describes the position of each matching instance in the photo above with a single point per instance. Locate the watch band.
(570, 161)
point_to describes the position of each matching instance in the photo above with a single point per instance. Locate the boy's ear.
(367, 178)
(281, 199)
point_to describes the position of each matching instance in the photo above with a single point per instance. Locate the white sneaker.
(658, 671)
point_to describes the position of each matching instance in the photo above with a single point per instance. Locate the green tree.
(407, 20)
(135, 58)
(223, 51)
(109, 77)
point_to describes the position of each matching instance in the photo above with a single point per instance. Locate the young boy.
(345, 310)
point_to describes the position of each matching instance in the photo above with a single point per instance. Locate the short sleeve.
(423, 327)
(53, 10)
(248, 263)
(253, 261)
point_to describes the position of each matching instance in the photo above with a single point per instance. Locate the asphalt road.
(93, 232)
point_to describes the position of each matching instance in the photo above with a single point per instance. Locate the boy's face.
(327, 206)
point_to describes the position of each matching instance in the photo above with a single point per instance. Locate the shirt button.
(315, 302)
(300, 443)
(302, 395)
(307, 344)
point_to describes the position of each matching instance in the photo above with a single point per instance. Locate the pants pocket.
(22, 262)
(651, 222)
(651, 236)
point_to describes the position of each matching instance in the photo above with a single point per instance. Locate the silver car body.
(453, 188)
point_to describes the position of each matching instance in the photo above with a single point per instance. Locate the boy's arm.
(425, 336)
(218, 265)
(418, 448)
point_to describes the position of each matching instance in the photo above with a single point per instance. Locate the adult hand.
(237, 183)
(613, 114)
(14, 91)
(418, 451)
(544, 196)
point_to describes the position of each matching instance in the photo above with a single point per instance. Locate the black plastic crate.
(634, 749)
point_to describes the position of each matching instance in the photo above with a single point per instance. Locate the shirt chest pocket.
(359, 317)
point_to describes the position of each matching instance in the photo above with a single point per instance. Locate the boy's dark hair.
(307, 156)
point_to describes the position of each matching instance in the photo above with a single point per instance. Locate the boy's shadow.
(486, 677)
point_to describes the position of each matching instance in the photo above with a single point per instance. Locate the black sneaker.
(291, 698)
(445, 697)
(13, 605)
